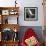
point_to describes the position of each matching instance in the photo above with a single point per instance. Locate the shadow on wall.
(37, 29)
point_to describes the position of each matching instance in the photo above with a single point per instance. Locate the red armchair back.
(29, 33)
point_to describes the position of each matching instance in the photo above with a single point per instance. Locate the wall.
(26, 3)
(32, 3)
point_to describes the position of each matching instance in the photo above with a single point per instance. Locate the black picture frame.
(30, 13)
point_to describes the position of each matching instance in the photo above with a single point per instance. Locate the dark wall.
(37, 29)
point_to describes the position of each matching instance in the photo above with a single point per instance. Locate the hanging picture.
(30, 13)
(5, 12)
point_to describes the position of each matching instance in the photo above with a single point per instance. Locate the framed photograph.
(13, 12)
(5, 12)
(30, 13)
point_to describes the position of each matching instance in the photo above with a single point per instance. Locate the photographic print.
(30, 13)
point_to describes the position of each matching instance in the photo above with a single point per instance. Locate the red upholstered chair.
(29, 33)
